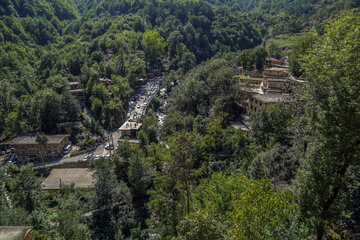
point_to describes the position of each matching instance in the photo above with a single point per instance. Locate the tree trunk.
(188, 198)
(320, 231)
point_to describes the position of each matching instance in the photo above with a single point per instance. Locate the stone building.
(257, 101)
(130, 129)
(275, 85)
(278, 72)
(28, 150)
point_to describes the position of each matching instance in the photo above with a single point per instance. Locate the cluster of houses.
(268, 87)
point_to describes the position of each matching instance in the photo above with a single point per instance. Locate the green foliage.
(153, 44)
(333, 134)
(270, 123)
(260, 57)
(243, 209)
(25, 190)
(259, 210)
(70, 214)
(112, 217)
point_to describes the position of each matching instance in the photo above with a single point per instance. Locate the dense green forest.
(292, 176)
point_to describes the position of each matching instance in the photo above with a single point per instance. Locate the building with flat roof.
(275, 85)
(105, 81)
(255, 74)
(28, 150)
(130, 129)
(257, 101)
(15, 232)
(272, 62)
(251, 81)
(80, 177)
(276, 72)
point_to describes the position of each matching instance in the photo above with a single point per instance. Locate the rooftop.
(105, 80)
(270, 98)
(30, 138)
(251, 90)
(74, 83)
(277, 80)
(272, 59)
(274, 89)
(77, 90)
(130, 126)
(280, 69)
(81, 177)
(14, 232)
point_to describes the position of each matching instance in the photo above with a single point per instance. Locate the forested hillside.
(191, 173)
(40, 54)
(289, 16)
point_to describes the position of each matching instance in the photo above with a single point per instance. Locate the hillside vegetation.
(294, 175)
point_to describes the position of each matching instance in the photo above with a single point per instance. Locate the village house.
(130, 129)
(81, 178)
(105, 81)
(257, 101)
(255, 74)
(251, 80)
(275, 85)
(78, 92)
(273, 62)
(278, 72)
(28, 150)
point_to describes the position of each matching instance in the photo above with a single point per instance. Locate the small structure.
(275, 85)
(130, 129)
(81, 177)
(240, 70)
(15, 232)
(106, 81)
(270, 62)
(28, 150)
(257, 101)
(251, 80)
(68, 127)
(276, 72)
(78, 92)
(255, 74)
(75, 85)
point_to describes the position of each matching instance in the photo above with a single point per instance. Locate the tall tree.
(154, 45)
(332, 111)
(42, 140)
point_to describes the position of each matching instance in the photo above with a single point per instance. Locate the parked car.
(88, 157)
(11, 162)
(3, 153)
(7, 151)
(109, 147)
(67, 149)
